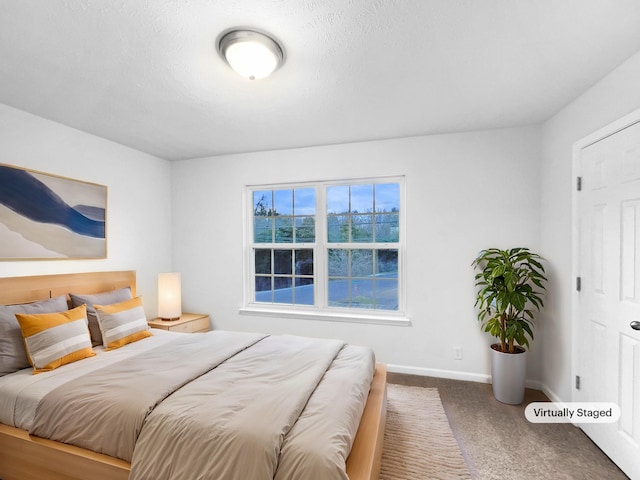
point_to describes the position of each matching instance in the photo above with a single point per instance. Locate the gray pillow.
(106, 298)
(13, 356)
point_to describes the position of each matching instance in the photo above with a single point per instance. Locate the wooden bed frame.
(25, 457)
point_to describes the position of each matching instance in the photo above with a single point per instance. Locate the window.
(284, 234)
(327, 248)
(362, 221)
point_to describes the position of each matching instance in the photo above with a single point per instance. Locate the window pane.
(388, 197)
(362, 294)
(263, 289)
(304, 291)
(304, 262)
(283, 293)
(353, 284)
(386, 294)
(387, 227)
(305, 229)
(283, 202)
(282, 262)
(361, 263)
(305, 201)
(284, 230)
(338, 262)
(387, 263)
(262, 230)
(262, 203)
(263, 261)
(361, 198)
(339, 290)
(338, 199)
(338, 228)
(275, 276)
(362, 228)
(358, 226)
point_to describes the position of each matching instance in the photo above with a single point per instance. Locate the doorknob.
(635, 325)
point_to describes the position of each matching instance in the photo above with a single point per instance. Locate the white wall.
(613, 97)
(465, 192)
(139, 206)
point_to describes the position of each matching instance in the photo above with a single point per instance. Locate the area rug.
(418, 441)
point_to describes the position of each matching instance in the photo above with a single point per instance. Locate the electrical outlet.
(457, 353)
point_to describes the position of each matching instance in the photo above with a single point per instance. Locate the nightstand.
(187, 323)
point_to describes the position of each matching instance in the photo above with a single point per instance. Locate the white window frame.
(321, 310)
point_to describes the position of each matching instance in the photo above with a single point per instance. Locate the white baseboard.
(434, 372)
(549, 393)
(535, 384)
(469, 377)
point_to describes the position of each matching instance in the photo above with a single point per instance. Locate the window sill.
(341, 316)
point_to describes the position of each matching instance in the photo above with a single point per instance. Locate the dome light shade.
(250, 53)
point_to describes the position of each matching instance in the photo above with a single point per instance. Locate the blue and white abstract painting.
(46, 216)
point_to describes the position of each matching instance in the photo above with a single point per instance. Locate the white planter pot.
(508, 375)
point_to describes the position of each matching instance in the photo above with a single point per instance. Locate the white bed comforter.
(222, 405)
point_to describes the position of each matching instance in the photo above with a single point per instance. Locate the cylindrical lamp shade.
(169, 296)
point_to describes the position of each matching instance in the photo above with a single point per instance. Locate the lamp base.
(169, 319)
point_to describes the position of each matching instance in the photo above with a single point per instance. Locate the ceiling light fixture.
(250, 53)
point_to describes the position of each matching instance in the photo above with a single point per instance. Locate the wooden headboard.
(40, 287)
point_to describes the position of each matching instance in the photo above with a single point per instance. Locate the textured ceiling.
(146, 74)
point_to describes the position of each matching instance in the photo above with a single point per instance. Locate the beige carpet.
(418, 441)
(498, 442)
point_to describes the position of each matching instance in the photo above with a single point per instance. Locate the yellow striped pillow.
(122, 323)
(54, 339)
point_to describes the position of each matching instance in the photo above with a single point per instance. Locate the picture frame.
(48, 217)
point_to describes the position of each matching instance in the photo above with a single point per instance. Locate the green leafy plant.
(510, 284)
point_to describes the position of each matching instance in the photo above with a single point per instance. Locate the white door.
(608, 305)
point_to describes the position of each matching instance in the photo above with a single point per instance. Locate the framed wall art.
(45, 216)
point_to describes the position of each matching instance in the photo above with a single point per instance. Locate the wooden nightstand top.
(187, 323)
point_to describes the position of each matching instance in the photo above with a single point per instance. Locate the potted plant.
(510, 284)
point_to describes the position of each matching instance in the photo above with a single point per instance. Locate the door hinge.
(577, 382)
(579, 184)
(578, 283)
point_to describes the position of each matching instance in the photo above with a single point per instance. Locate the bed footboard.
(23, 457)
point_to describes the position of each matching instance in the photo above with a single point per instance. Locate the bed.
(24, 456)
